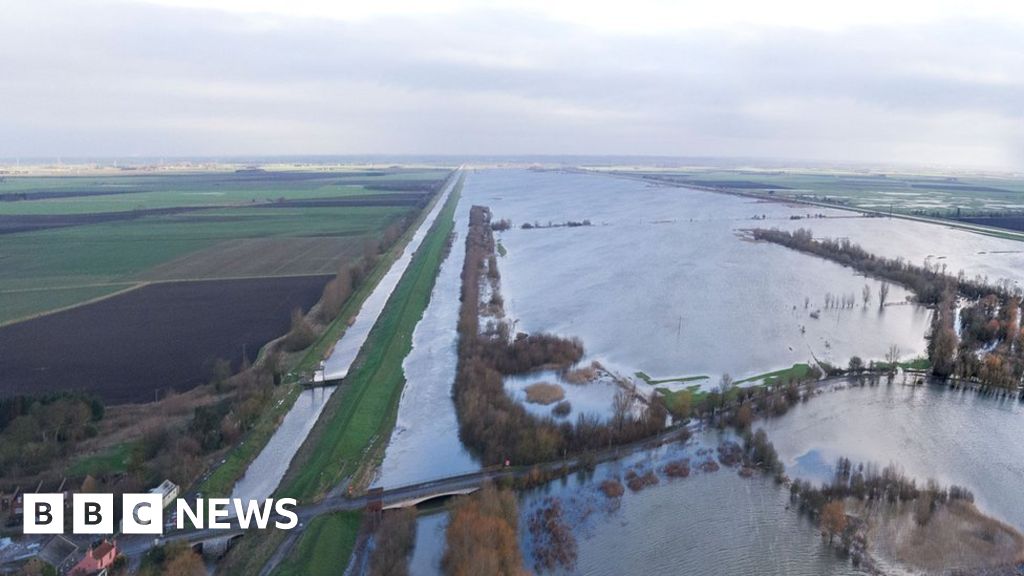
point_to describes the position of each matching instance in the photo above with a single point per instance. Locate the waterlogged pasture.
(664, 282)
(953, 436)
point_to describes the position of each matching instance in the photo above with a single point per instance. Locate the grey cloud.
(124, 78)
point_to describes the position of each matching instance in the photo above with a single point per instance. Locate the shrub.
(544, 393)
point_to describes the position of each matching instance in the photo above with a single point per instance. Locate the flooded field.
(952, 436)
(975, 254)
(720, 523)
(663, 283)
(709, 523)
(697, 299)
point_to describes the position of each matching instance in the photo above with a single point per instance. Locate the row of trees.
(491, 423)
(482, 535)
(34, 432)
(888, 485)
(393, 542)
(988, 349)
(928, 282)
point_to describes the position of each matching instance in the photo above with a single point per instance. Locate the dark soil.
(145, 342)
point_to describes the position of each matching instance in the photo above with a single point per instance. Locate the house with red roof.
(96, 560)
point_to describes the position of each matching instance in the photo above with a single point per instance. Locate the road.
(134, 546)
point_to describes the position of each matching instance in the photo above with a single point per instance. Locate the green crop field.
(902, 193)
(362, 412)
(55, 267)
(94, 194)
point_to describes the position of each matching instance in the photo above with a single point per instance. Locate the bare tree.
(866, 295)
(622, 404)
(892, 356)
(883, 294)
(725, 384)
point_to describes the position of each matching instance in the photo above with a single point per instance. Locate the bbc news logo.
(144, 514)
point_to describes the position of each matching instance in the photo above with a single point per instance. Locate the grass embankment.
(683, 401)
(646, 378)
(221, 481)
(795, 372)
(915, 364)
(324, 548)
(358, 417)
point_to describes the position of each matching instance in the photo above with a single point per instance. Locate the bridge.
(209, 541)
(417, 500)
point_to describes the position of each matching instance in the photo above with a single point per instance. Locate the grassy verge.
(113, 461)
(360, 416)
(324, 548)
(646, 378)
(794, 372)
(251, 553)
(221, 481)
(914, 364)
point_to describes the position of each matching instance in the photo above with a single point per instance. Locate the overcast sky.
(932, 82)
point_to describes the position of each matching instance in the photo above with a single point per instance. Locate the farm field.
(126, 303)
(73, 257)
(949, 196)
(27, 196)
(150, 340)
(358, 417)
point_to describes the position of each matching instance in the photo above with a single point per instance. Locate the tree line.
(493, 425)
(36, 431)
(989, 348)
(482, 535)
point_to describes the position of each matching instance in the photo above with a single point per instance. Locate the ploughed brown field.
(165, 336)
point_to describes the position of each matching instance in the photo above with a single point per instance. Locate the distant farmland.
(68, 240)
(155, 338)
(123, 285)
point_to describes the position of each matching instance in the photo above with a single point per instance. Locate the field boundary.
(239, 457)
(125, 290)
(377, 377)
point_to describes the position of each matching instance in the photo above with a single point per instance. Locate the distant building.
(97, 560)
(168, 490)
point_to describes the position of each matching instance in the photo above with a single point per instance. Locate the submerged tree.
(883, 294)
(833, 519)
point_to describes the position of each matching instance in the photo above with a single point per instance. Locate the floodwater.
(709, 523)
(955, 437)
(429, 546)
(664, 283)
(719, 523)
(918, 242)
(424, 444)
(265, 472)
(267, 469)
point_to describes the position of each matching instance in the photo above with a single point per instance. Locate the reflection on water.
(952, 436)
(710, 523)
(663, 282)
(429, 546)
(425, 442)
(265, 472)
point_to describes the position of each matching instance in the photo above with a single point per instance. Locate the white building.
(168, 490)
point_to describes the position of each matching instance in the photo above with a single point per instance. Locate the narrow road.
(136, 545)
